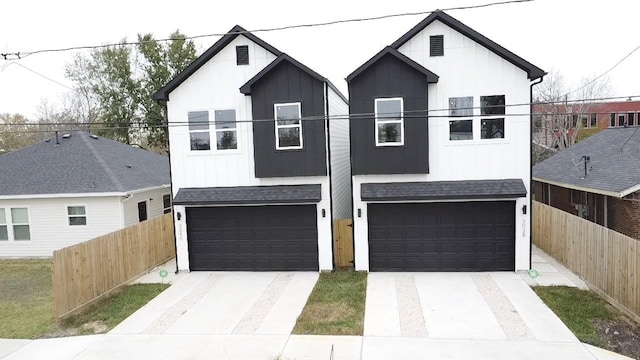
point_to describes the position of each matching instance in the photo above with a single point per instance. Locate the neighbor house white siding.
(215, 86)
(340, 155)
(466, 69)
(49, 224)
(155, 206)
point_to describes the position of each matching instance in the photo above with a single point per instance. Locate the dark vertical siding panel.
(287, 83)
(389, 77)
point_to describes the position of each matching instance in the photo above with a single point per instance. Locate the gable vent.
(437, 45)
(242, 55)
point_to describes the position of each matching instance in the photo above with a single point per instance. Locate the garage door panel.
(250, 238)
(471, 236)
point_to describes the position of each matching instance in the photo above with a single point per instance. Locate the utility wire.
(18, 55)
(37, 73)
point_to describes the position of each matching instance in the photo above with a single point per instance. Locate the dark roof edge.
(443, 197)
(533, 71)
(163, 93)
(246, 88)
(313, 195)
(431, 77)
(246, 202)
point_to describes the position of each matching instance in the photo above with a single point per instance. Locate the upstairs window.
(199, 130)
(436, 45)
(492, 124)
(389, 122)
(288, 126)
(242, 55)
(226, 130)
(461, 107)
(77, 215)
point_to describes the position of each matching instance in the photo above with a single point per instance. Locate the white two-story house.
(441, 172)
(259, 159)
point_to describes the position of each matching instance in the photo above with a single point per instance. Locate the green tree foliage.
(122, 80)
(15, 133)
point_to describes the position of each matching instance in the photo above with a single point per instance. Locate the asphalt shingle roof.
(81, 163)
(614, 164)
(443, 190)
(280, 194)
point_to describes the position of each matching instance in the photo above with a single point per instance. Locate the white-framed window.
(166, 203)
(77, 215)
(288, 125)
(199, 136)
(20, 224)
(389, 121)
(4, 228)
(492, 110)
(461, 107)
(226, 129)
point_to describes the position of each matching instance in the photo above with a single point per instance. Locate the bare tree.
(15, 132)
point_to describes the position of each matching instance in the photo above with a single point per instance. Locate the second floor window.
(492, 110)
(224, 126)
(288, 126)
(389, 122)
(461, 107)
(199, 130)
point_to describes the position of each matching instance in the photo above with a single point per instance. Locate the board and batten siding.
(466, 69)
(215, 86)
(49, 224)
(340, 155)
(155, 205)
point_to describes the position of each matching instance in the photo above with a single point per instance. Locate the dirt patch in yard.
(622, 335)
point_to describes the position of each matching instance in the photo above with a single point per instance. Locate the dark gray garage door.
(253, 238)
(469, 236)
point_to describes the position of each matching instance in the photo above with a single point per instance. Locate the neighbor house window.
(389, 122)
(166, 203)
(20, 222)
(142, 211)
(4, 231)
(288, 126)
(631, 119)
(621, 120)
(492, 124)
(77, 215)
(612, 119)
(199, 130)
(461, 107)
(594, 120)
(436, 45)
(226, 129)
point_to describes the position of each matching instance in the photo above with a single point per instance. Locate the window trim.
(164, 208)
(213, 133)
(85, 216)
(216, 130)
(377, 121)
(290, 126)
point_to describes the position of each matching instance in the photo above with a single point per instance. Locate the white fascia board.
(164, 186)
(586, 189)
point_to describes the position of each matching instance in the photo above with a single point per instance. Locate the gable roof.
(431, 77)
(533, 72)
(81, 163)
(246, 88)
(163, 94)
(613, 166)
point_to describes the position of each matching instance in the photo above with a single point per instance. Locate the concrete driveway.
(225, 303)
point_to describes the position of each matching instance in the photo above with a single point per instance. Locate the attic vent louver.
(66, 136)
(242, 55)
(436, 45)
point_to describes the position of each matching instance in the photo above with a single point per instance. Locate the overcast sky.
(578, 38)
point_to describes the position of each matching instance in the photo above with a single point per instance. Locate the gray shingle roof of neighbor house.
(163, 94)
(443, 190)
(614, 165)
(81, 163)
(533, 72)
(279, 194)
(431, 77)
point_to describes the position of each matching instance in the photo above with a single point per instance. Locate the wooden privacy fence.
(88, 271)
(607, 260)
(343, 242)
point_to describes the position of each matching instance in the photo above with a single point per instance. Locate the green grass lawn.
(577, 309)
(335, 306)
(26, 303)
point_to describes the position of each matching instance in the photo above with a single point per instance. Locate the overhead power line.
(17, 55)
(37, 73)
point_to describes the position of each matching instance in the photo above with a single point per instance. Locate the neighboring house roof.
(613, 169)
(163, 94)
(279, 194)
(533, 71)
(246, 88)
(431, 77)
(586, 107)
(81, 163)
(440, 190)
